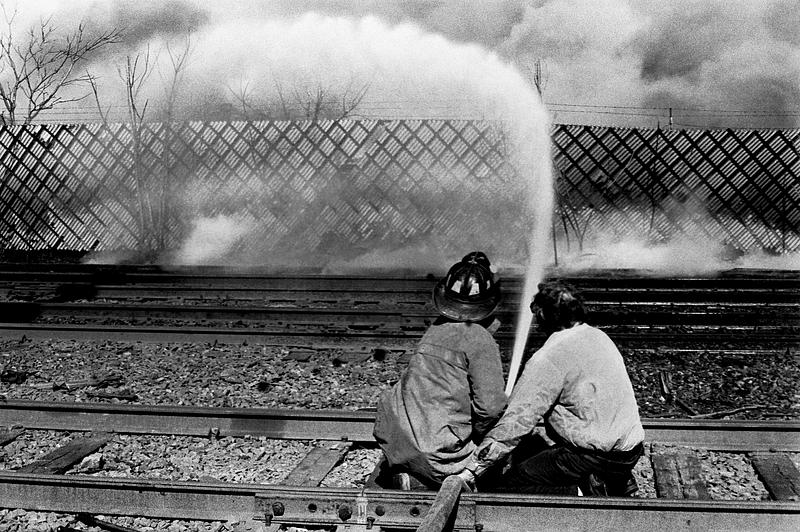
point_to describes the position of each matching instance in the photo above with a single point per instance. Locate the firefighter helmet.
(469, 291)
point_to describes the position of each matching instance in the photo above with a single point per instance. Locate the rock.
(91, 464)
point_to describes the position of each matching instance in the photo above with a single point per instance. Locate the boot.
(624, 486)
(593, 486)
(609, 486)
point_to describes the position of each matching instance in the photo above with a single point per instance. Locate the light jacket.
(578, 383)
(449, 396)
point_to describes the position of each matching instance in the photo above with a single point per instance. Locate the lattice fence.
(737, 187)
(344, 187)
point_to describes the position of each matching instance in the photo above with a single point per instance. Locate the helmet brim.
(463, 310)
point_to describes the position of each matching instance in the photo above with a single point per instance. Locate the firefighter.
(577, 383)
(451, 393)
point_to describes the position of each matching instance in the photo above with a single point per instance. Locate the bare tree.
(172, 80)
(151, 170)
(178, 60)
(134, 73)
(318, 102)
(36, 70)
(39, 68)
(321, 102)
(250, 108)
(285, 106)
(350, 98)
(311, 101)
(578, 219)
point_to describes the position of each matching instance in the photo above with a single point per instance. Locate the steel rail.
(355, 426)
(599, 279)
(383, 338)
(386, 509)
(56, 269)
(422, 288)
(620, 295)
(644, 297)
(424, 284)
(675, 314)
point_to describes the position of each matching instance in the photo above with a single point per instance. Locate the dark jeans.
(560, 469)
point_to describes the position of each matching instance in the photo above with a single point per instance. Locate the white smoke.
(686, 255)
(703, 58)
(212, 239)
(401, 64)
(732, 63)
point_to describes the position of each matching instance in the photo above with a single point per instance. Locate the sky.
(714, 63)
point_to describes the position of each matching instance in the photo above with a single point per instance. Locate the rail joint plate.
(368, 511)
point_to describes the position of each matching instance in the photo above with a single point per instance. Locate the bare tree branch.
(43, 66)
(178, 61)
(136, 72)
(306, 102)
(285, 113)
(93, 85)
(352, 98)
(249, 109)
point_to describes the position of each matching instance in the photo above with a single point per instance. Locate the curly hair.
(558, 304)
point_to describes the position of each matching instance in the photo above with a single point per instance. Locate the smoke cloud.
(685, 255)
(703, 58)
(266, 58)
(212, 239)
(731, 63)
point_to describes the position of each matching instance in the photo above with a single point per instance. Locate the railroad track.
(739, 314)
(753, 309)
(682, 503)
(316, 339)
(665, 315)
(74, 281)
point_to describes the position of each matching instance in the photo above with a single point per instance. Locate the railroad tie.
(9, 435)
(62, 458)
(779, 474)
(317, 464)
(677, 474)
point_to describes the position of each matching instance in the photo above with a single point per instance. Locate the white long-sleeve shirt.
(577, 383)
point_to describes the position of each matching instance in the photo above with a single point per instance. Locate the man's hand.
(468, 477)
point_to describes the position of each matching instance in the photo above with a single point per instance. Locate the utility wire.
(396, 104)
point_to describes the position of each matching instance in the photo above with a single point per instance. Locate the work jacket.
(449, 396)
(577, 383)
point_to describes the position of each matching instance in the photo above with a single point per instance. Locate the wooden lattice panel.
(342, 187)
(738, 187)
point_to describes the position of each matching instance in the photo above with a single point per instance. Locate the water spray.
(540, 207)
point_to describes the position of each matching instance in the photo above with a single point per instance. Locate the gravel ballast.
(248, 376)
(730, 476)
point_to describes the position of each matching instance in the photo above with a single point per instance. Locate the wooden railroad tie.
(62, 458)
(317, 464)
(779, 474)
(678, 475)
(9, 435)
